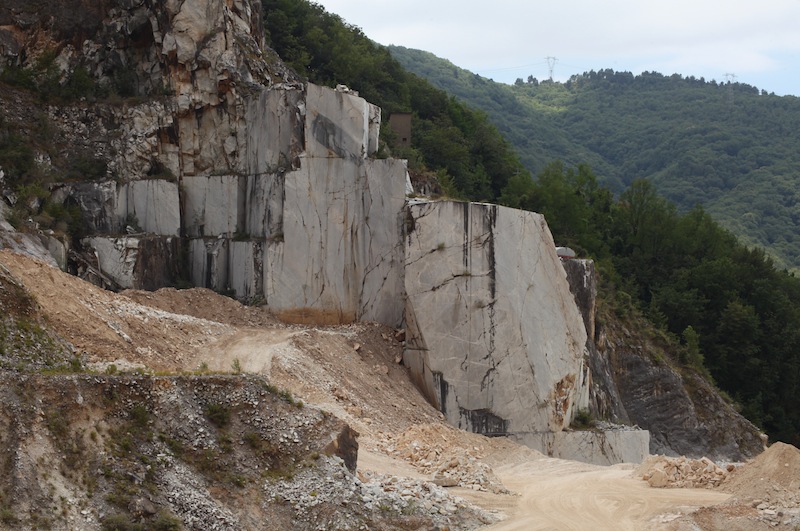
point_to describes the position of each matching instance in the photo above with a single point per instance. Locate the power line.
(509, 68)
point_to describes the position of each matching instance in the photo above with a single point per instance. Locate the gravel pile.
(771, 484)
(454, 469)
(328, 496)
(681, 472)
(777, 514)
(451, 458)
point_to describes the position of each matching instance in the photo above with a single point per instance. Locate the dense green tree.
(577, 209)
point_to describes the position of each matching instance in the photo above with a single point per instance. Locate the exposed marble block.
(223, 264)
(154, 203)
(338, 124)
(374, 129)
(320, 265)
(133, 262)
(340, 252)
(603, 447)
(208, 263)
(384, 207)
(264, 206)
(245, 269)
(116, 258)
(286, 121)
(494, 337)
(214, 205)
(275, 130)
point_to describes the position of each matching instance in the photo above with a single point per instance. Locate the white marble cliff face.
(268, 180)
(314, 224)
(153, 204)
(494, 336)
(342, 221)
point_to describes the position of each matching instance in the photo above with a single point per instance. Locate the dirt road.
(557, 494)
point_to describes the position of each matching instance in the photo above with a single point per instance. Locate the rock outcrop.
(494, 337)
(314, 198)
(630, 385)
(493, 334)
(684, 414)
(604, 398)
(253, 171)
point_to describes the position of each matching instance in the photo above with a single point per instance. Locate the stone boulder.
(494, 338)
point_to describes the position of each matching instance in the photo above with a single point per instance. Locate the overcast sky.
(757, 41)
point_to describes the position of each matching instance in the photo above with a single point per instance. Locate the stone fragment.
(658, 479)
(445, 481)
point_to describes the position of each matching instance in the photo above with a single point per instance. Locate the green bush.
(218, 415)
(583, 420)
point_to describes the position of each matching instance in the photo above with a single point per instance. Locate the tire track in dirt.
(565, 495)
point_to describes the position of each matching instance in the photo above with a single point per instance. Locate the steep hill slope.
(725, 146)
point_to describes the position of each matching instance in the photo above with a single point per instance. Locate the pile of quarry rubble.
(770, 483)
(450, 458)
(765, 491)
(681, 472)
(387, 497)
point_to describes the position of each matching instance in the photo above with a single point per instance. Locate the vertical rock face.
(267, 182)
(342, 220)
(315, 230)
(604, 398)
(494, 337)
(152, 204)
(599, 447)
(275, 130)
(682, 413)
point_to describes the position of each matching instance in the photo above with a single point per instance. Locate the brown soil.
(773, 476)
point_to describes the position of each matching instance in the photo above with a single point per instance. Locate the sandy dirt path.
(566, 495)
(253, 349)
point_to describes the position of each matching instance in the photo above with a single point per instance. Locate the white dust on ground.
(353, 371)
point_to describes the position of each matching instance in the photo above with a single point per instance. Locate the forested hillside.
(726, 146)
